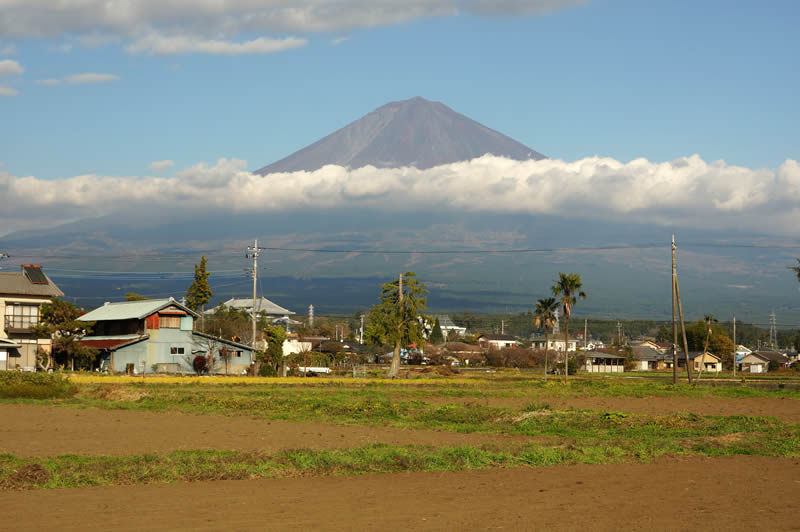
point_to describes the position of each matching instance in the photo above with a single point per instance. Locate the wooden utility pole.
(674, 321)
(680, 314)
(734, 346)
(394, 369)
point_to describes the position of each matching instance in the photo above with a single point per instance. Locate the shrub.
(267, 370)
(200, 364)
(14, 384)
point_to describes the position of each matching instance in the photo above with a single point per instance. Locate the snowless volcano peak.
(415, 132)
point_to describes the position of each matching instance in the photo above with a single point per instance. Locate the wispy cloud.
(339, 40)
(9, 67)
(79, 79)
(155, 44)
(7, 91)
(8, 50)
(162, 27)
(685, 192)
(160, 166)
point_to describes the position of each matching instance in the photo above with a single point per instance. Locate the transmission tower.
(773, 331)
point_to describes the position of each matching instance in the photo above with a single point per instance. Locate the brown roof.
(460, 347)
(111, 342)
(772, 356)
(18, 284)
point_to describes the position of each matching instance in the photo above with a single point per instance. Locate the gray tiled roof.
(262, 305)
(16, 283)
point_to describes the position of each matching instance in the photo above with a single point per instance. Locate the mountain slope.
(414, 132)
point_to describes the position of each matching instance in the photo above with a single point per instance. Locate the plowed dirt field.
(670, 494)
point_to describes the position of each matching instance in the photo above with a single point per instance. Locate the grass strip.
(71, 471)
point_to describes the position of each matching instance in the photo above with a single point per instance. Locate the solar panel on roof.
(34, 274)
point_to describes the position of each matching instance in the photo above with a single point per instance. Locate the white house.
(554, 344)
(449, 327)
(496, 341)
(599, 362)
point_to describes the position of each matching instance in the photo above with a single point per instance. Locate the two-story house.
(157, 336)
(21, 296)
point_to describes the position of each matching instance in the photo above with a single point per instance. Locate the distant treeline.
(521, 325)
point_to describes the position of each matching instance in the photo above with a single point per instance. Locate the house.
(648, 358)
(21, 296)
(758, 361)
(661, 347)
(448, 326)
(263, 306)
(554, 343)
(711, 362)
(157, 336)
(496, 341)
(599, 362)
(466, 354)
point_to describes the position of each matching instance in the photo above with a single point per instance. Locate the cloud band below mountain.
(685, 192)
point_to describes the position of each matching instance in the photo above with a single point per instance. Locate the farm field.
(483, 451)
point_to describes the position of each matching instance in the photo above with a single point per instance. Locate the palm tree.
(545, 318)
(568, 289)
(796, 269)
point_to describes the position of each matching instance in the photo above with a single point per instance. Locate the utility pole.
(361, 331)
(680, 314)
(619, 333)
(253, 252)
(502, 326)
(734, 346)
(585, 332)
(674, 320)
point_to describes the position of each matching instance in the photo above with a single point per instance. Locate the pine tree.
(199, 293)
(437, 337)
(59, 321)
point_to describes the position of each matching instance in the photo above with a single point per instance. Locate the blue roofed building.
(158, 336)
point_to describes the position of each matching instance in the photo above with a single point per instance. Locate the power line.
(223, 253)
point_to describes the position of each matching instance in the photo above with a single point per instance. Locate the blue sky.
(622, 79)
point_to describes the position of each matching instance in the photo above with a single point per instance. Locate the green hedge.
(15, 384)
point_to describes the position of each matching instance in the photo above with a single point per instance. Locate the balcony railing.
(20, 323)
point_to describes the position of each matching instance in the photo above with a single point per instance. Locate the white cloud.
(339, 40)
(684, 192)
(8, 50)
(155, 44)
(210, 26)
(158, 166)
(79, 79)
(9, 67)
(7, 91)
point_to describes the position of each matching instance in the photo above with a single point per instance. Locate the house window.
(170, 322)
(176, 350)
(21, 316)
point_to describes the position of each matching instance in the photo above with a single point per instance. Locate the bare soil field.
(669, 494)
(28, 431)
(781, 408)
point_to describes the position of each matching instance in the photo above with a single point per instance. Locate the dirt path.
(671, 494)
(51, 431)
(780, 408)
